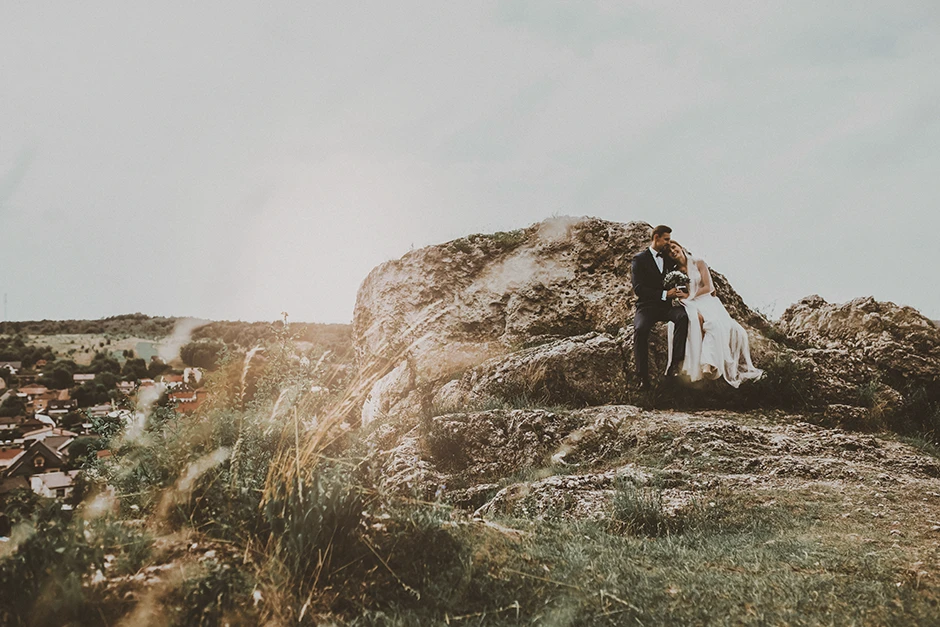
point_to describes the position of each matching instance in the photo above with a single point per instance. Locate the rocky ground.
(537, 463)
(762, 502)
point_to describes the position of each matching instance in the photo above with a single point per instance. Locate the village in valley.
(54, 412)
(70, 390)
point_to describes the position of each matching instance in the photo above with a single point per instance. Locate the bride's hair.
(684, 249)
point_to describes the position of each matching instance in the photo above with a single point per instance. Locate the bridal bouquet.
(676, 279)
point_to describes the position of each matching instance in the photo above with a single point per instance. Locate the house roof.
(8, 455)
(58, 442)
(37, 448)
(57, 479)
(11, 420)
(49, 432)
(33, 389)
(38, 434)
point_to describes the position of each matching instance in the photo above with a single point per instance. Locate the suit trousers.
(643, 322)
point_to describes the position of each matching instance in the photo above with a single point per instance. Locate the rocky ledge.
(542, 463)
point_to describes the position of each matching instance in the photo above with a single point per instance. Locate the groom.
(653, 305)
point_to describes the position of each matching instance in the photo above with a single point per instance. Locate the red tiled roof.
(10, 453)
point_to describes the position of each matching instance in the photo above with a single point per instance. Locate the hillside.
(146, 337)
(136, 324)
(489, 459)
(151, 328)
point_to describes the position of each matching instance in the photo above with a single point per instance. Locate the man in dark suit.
(653, 304)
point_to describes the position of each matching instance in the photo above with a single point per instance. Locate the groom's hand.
(675, 293)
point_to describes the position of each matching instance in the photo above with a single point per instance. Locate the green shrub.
(639, 510)
(787, 383)
(429, 563)
(42, 574)
(314, 526)
(202, 353)
(507, 240)
(448, 450)
(216, 591)
(919, 412)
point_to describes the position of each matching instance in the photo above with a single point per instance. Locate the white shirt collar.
(653, 250)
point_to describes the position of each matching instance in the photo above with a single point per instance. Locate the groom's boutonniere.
(675, 279)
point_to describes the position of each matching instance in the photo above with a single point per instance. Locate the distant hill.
(336, 337)
(136, 324)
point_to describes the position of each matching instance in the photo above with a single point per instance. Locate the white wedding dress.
(717, 345)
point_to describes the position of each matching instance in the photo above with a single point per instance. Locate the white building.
(54, 485)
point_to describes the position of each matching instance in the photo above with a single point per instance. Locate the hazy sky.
(233, 160)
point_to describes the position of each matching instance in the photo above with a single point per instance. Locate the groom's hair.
(661, 230)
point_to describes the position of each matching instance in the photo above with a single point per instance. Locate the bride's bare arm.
(707, 287)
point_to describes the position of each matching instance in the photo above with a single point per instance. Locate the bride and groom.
(705, 341)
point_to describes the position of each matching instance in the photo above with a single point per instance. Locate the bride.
(717, 345)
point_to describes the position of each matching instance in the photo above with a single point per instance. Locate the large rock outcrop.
(544, 314)
(499, 374)
(544, 311)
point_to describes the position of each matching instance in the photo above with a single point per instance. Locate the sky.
(235, 160)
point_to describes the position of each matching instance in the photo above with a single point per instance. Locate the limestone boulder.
(900, 342)
(562, 286)
(866, 351)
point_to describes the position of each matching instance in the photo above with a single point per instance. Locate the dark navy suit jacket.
(648, 280)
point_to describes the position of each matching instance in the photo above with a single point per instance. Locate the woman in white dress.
(717, 345)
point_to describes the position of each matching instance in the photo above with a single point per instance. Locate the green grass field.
(81, 347)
